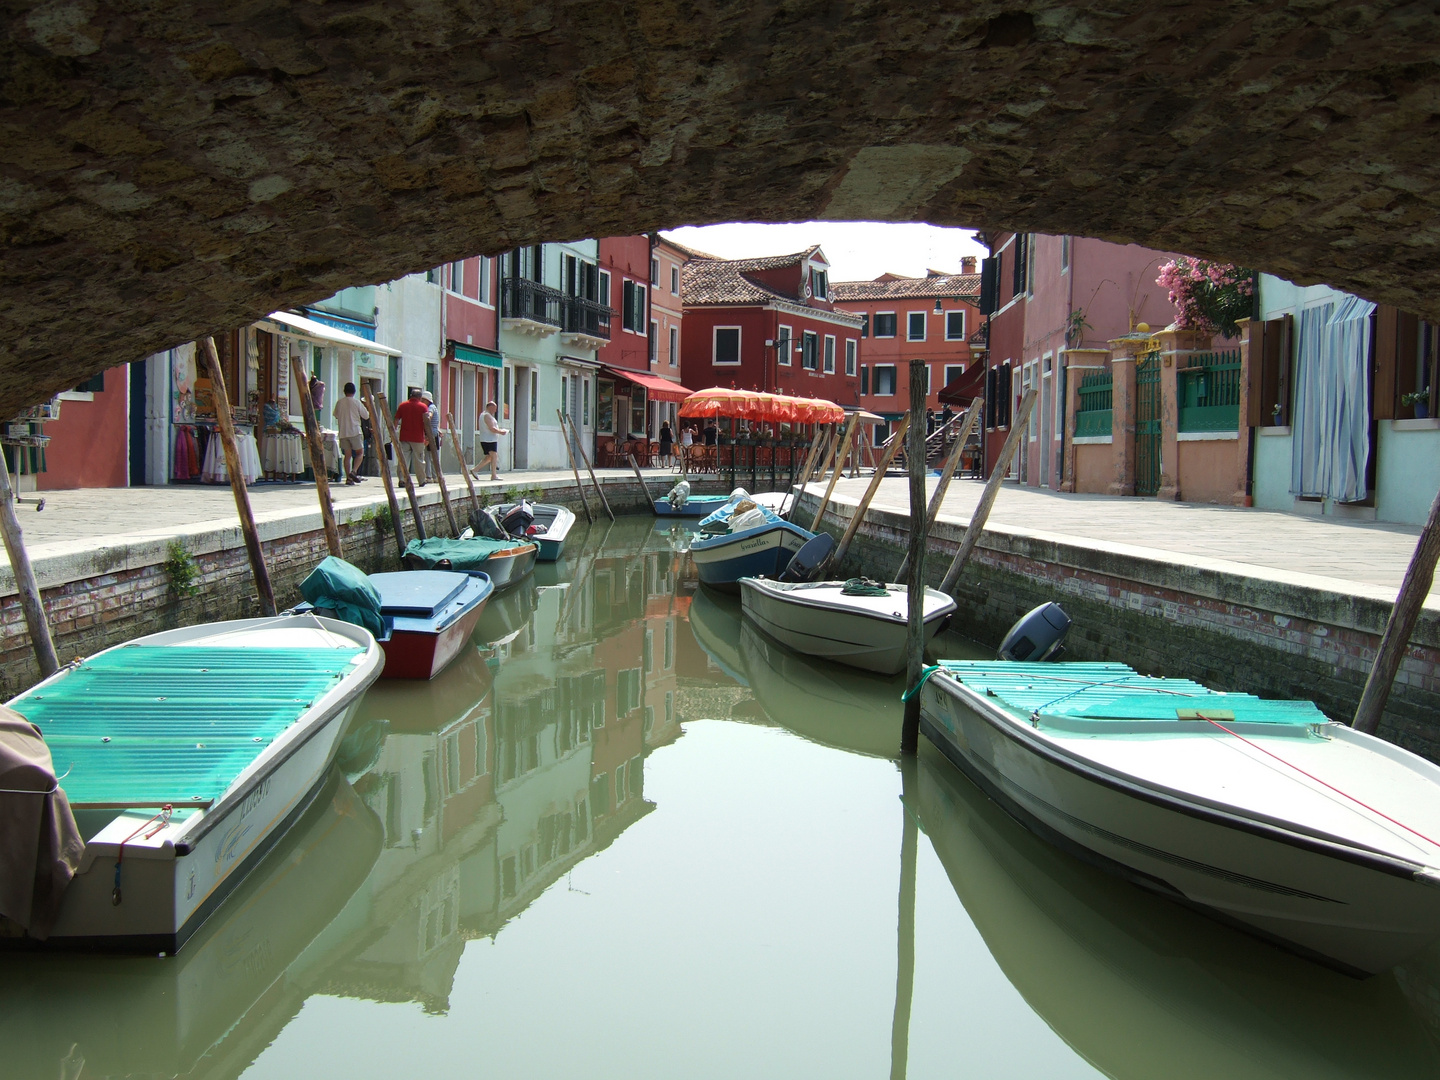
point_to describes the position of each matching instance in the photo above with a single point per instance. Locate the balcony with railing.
(528, 307)
(584, 324)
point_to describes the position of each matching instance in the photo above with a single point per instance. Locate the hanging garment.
(186, 464)
(1331, 429)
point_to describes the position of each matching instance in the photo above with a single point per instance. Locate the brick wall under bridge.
(1226, 630)
(111, 594)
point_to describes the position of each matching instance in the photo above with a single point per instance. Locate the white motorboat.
(863, 626)
(1263, 813)
(185, 756)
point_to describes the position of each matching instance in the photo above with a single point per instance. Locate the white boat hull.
(868, 634)
(1359, 910)
(171, 882)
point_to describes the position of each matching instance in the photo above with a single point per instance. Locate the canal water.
(626, 836)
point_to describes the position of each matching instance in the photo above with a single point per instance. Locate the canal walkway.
(1366, 558)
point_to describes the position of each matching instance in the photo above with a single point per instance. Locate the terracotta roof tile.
(888, 287)
(708, 280)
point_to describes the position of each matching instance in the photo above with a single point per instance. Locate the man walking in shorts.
(348, 414)
(490, 444)
(411, 418)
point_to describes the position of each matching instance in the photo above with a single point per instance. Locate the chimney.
(967, 264)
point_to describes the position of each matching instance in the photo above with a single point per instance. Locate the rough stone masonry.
(172, 169)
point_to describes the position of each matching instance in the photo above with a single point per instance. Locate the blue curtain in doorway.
(1331, 429)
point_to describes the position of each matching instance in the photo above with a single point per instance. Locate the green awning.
(470, 354)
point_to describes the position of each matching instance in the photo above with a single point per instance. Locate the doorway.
(1047, 419)
(520, 427)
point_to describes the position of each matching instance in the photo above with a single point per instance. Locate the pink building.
(470, 369)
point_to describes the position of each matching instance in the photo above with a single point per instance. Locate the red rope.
(1312, 776)
(163, 817)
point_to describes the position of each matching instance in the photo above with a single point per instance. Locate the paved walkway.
(91, 517)
(1351, 556)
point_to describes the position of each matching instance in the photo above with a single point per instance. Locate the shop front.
(632, 407)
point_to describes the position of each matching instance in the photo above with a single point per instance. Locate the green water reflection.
(625, 835)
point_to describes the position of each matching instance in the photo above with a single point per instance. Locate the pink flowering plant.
(1207, 295)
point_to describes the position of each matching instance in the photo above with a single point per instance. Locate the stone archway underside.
(169, 169)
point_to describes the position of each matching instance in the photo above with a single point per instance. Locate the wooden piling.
(389, 422)
(397, 523)
(433, 452)
(905, 926)
(25, 584)
(915, 593)
(580, 446)
(206, 347)
(798, 482)
(316, 450)
(838, 555)
(1018, 424)
(938, 496)
(575, 469)
(830, 447)
(460, 457)
(1415, 587)
(643, 486)
(839, 470)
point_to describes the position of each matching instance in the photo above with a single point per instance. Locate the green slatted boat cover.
(158, 724)
(1116, 692)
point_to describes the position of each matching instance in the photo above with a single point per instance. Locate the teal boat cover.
(155, 724)
(346, 590)
(1117, 692)
(462, 555)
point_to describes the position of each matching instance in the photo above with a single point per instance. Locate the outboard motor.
(484, 524)
(811, 556)
(518, 520)
(1039, 635)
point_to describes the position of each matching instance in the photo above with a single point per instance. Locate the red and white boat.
(429, 617)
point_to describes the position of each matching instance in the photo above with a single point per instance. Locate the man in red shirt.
(411, 418)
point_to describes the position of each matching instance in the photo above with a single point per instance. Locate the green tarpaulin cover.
(345, 589)
(439, 553)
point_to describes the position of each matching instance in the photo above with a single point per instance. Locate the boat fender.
(1038, 635)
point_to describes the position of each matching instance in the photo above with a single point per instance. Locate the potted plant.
(1420, 399)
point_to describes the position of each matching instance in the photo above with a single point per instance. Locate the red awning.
(659, 389)
(966, 388)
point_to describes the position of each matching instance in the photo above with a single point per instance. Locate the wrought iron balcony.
(582, 318)
(529, 306)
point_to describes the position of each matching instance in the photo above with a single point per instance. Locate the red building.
(89, 440)
(906, 318)
(769, 324)
(471, 366)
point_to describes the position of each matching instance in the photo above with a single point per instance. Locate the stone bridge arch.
(168, 169)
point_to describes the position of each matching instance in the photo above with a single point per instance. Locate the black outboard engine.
(484, 523)
(518, 520)
(811, 556)
(1039, 635)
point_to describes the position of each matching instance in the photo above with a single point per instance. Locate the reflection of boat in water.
(222, 999)
(1141, 987)
(826, 703)
(429, 706)
(715, 622)
(508, 614)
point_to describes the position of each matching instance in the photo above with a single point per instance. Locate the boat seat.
(155, 724)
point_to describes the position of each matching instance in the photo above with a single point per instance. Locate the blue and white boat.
(762, 549)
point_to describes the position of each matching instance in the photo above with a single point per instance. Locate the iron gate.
(1147, 424)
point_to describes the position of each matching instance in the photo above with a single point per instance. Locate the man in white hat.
(432, 425)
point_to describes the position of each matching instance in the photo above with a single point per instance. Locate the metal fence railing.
(1209, 392)
(1094, 412)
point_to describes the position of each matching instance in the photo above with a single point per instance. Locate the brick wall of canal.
(1226, 630)
(106, 594)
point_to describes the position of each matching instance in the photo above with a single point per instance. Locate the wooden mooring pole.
(460, 457)
(584, 457)
(915, 593)
(226, 423)
(389, 422)
(839, 470)
(433, 451)
(397, 523)
(1018, 424)
(640, 478)
(905, 926)
(25, 583)
(946, 475)
(1415, 587)
(316, 450)
(570, 453)
(838, 555)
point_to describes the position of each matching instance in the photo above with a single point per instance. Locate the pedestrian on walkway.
(411, 418)
(349, 412)
(491, 446)
(712, 433)
(432, 425)
(667, 444)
